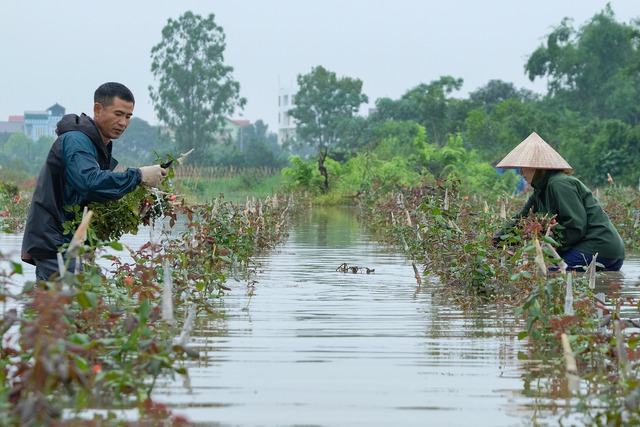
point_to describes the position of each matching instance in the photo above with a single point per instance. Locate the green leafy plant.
(140, 207)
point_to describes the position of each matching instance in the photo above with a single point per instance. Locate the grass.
(234, 189)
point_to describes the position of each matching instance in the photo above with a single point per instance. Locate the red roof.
(242, 123)
(16, 119)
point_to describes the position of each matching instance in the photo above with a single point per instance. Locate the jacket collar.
(541, 183)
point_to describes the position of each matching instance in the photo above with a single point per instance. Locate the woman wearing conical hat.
(583, 228)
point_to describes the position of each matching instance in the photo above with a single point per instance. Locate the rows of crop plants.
(588, 341)
(101, 338)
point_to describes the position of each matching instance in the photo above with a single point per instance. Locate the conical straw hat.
(534, 153)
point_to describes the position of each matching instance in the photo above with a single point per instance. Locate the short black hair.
(110, 90)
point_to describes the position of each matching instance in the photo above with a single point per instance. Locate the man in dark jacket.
(78, 170)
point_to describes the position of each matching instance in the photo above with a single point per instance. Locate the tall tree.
(323, 104)
(261, 147)
(196, 90)
(433, 106)
(137, 145)
(592, 70)
(429, 105)
(495, 131)
(496, 91)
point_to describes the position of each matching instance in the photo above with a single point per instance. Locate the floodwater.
(318, 347)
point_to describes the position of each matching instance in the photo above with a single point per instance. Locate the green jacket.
(582, 223)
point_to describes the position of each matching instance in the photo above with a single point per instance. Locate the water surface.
(314, 346)
(318, 347)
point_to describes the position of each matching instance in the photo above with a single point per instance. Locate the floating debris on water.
(346, 268)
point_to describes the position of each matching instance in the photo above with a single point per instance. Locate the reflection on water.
(319, 347)
(314, 346)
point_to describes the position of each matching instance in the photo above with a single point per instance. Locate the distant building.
(35, 124)
(12, 126)
(233, 131)
(286, 123)
(42, 123)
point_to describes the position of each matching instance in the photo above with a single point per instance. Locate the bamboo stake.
(187, 327)
(62, 269)
(541, 267)
(591, 272)
(77, 241)
(167, 295)
(568, 299)
(571, 366)
(623, 362)
(562, 266)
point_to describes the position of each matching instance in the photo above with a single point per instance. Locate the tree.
(323, 104)
(137, 145)
(196, 90)
(496, 131)
(261, 147)
(432, 106)
(428, 105)
(592, 70)
(496, 91)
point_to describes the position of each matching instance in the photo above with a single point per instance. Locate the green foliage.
(113, 219)
(324, 107)
(196, 90)
(399, 158)
(432, 106)
(604, 147)
(429, 105)
(21, 153)
(136, 146)
(451, 237)
(496, 131)
(495, 92)
(90, 340)
(13, 208)
(622, 205)
(125, 215)
(589, 70)
(323, 102)
(236, 186)
(302, 175)
(399, 139)
(260, 147)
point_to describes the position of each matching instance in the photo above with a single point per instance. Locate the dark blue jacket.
(78, 170)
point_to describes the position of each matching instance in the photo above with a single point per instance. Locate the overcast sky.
(61, 51)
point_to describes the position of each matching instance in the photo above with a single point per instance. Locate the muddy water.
(318, 347)
(314, 346)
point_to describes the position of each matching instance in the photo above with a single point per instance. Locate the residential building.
(233, 131)
(286, 123)
(43, 123)
(15, 124)
(35, 124)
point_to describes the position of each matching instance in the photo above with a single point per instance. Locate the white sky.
(61, 51)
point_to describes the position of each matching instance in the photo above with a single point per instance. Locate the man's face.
(112, 120)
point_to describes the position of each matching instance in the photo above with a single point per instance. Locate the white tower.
(286, 123)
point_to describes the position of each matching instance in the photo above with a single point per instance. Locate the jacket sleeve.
(528, 206)
(509, 225)
(84, 175)
(570, 211)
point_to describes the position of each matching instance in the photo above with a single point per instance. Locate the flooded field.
(315, 346)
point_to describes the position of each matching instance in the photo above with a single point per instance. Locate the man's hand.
(152, 175)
